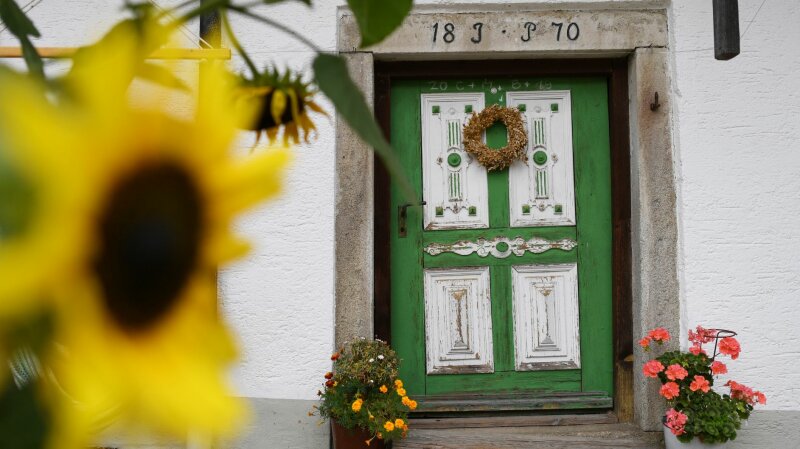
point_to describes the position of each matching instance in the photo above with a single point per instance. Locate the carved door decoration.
(503, 281)
(454, 183)
(541, 192)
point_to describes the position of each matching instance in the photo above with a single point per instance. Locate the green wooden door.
(502, 280)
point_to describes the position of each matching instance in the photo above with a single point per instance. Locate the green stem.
(226, 25)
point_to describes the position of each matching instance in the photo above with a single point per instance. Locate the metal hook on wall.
(655, 105)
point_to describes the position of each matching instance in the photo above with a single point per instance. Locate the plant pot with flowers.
(363, 398)
(699, 416)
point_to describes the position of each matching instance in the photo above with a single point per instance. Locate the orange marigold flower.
(398, 383)
(730, 346)
(700, 383)
(652, 368)
(328, 375)
(335, 356)
(412, 405)
(389, 426)
(670, 390)
(329, 383)
(357, 405)
(676, 372)
(718, 367)
(401, 391)
(383, 389)
(399, 423)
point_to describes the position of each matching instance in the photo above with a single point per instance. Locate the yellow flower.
(405, 400)
(401, 391)
(389, 426)
(412, 405)
(399, 423)
(357, 405)
(152, 200)
(398, 383)
(383, 389)
(282, 101)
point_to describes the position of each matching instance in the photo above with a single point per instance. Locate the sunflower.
(137, 326)
(282, 100)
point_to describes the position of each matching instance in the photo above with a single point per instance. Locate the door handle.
(402, 229)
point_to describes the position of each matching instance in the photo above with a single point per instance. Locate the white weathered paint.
(458, 321)
(543, 189)
(517, 246)
(545, 307)
(451, 190)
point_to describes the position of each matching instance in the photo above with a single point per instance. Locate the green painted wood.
(593, 204)
(408, 312)
(541, 381)
(516, 401)
(593, 233)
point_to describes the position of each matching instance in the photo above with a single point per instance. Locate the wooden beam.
(163, 53)
(726, 29)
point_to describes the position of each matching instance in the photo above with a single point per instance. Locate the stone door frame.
(637, 33)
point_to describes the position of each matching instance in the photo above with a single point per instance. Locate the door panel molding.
(546, 324)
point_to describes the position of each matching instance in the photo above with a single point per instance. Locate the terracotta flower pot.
(672, 442)
(354, 438)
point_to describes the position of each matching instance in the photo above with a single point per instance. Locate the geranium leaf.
(21, 27)
(334, 81)
(378, 18)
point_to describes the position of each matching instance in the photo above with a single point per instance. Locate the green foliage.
(712, 418)
(22, 28)
(377, 19)
(334, 81)
(363, 368)
(23, 421)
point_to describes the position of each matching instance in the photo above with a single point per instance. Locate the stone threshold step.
(586, 436)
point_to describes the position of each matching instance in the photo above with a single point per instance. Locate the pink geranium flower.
(659, 334)
(718, 367)
(745, 393)
(676, 421)
(645, 343)
(700, 383)
(729, 346)
(702, 335)
(696, 349)
(676, 372)
(670, 390)
(652, 368)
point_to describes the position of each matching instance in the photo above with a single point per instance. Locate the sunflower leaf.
(22, 27)
(334, 81)
(23, 421)
(378, 18)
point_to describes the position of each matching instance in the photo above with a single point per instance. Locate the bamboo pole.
(162, 53)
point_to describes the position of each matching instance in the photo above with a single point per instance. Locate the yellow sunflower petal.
(278, 105)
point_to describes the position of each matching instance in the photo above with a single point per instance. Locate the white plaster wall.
(737, 133)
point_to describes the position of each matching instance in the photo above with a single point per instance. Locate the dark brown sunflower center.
(149, 242)
(265, 118)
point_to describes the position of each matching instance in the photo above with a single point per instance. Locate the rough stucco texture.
(737, 131)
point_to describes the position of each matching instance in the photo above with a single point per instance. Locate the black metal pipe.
(726, 29)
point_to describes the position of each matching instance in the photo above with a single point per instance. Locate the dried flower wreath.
(496, 159)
